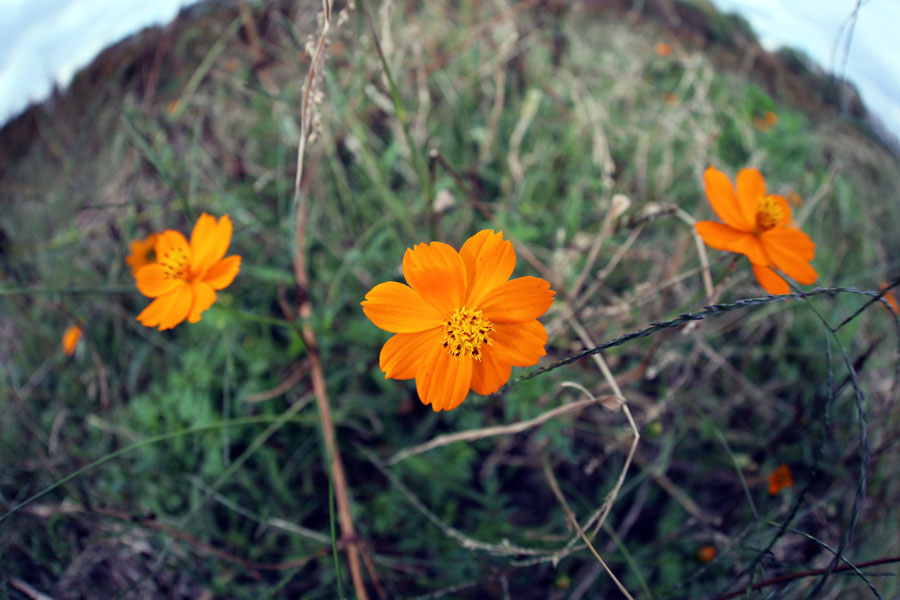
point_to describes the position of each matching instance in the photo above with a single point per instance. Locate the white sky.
(873, 64)
(43, 42)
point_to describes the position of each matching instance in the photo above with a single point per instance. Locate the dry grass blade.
(486, 432)
(551, 479)
(301, 215)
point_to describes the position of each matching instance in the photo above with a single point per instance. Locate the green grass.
(584, 96)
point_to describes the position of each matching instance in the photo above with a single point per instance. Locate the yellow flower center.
(174, 263)
(769, 213)
(466, 332)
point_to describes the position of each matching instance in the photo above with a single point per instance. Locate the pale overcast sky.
(43, 42)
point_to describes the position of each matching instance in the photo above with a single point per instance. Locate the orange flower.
(185, 277)
(757, 225)
(662, 48)
(461, 323)
(890, 297)
(779, 479)
(766, 122)
(70, 339)
(706, 554)
(141, 252)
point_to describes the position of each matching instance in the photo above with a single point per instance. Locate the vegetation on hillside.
(198, 462)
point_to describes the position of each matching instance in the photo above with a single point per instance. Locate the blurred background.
(191, 463)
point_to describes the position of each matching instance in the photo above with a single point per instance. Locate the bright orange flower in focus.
(779, 479)
(662, 48)
(185, 277)
(461, 323)
(757, 225)
(141, 252)
(70, 339)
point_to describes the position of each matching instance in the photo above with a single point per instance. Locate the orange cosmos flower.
(461, 323)
(662, 48)
(70, 339)
(779, 479)
(757, 225)
(890, 297)
(185, 277)
(705, 554)
(141, 252)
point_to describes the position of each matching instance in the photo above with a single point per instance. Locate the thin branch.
(551, 479)
(811, 573)
(709, 311)
(485, 432)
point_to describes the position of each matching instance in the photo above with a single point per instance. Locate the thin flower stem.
(485, 432)
(334, 547)
(607, 374)
(416, 156)
(721, 437)
(812, 573)
(573, 520)
(301, 276)
(821, 543)
(709, 311)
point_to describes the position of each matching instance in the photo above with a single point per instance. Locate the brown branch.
(301, 216)
(811, 573)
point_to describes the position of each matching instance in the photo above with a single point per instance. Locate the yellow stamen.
(175, 263)
(769, 213)
(466, 332)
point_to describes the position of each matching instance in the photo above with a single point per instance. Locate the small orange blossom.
(706, 554)
(185, 277)
(757, 225)
(461, 323)
(779, 479)
(141, 252)
(70, 339)
(890, 297)
(662, 48)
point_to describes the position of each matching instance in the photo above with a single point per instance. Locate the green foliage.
(582, 114)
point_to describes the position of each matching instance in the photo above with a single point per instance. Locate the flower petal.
(717, 235)
(520, 344)
(490, 373)
(791, 239)
(438, 274)
(770, 280)
(398, 308)
(159, 309)
(751, 188)
(183, 298)
(723, 200)
(489, 262)
(209, 242)
(221, 274)
(790, 263)
(170, 241)
(204, 296)
(518, 300)
(750, 246)
(400, 355)
(442, 380)
(152, 282)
